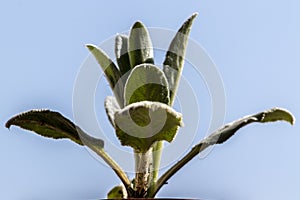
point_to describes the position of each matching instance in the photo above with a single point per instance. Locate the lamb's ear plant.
(143, 98)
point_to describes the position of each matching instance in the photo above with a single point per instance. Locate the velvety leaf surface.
(146, 82)
(121, 51)
(52, 125)
(174, 60)
(272, 115)
(118, 192)
(220, 136)
(111, 106)
(141, 124)
(111, 71)
(276, 114)
(140, 45)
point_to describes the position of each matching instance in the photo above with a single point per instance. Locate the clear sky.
(254, 44)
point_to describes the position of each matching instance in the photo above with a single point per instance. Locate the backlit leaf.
(146, 82)
(111, 106)
(52, 125)
(174, 60)
(141, 124)
(112, 73)
(121, 51)
(272, 115)
(140, 45)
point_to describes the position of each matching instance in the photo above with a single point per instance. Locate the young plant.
(140, 111)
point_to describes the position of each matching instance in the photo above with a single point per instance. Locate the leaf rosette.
(140, 110)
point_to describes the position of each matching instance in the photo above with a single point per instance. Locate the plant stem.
(156, 156)
(143, 172)
(167, 175)
(157, 150)
(117, 169)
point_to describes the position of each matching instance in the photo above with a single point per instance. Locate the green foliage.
(111, 106)
(277, 114)
(146, 82)
(221, 135)
(141, 124)
(272, 115)
(174, 60)
(111, 71)
(53, 125)
(117, 192)
(140, 45)
(121, 52)
(140, 110)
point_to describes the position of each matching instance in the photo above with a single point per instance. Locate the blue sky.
(255, 45)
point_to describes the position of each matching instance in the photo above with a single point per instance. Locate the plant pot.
(156, 199)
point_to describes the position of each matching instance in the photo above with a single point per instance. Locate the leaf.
(220, 136)
(111, 106)
(141, 124)
(121, 51)
(140, 45)
(272, 115)
(174, 60)
(276, 114)
(111, 71)
(118, 192)
(146, 82)
(52, 125)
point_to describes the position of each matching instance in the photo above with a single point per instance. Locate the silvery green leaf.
(140, 45)
(272, 115)
(220, 136)
(146, 82)
(121, 51)
(52, 125)
(174, 60)
(112, 73)
(141, 124)
(276, 114)
(117, 192)
(111, 106)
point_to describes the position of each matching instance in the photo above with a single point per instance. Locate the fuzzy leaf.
(141, 124)
(146, 82)
(111, 71)
(140, 45)
(121, 51)
(52, 125)
(118, 192)
(220, 136)
(111, 106)
(174, 60)
(272, 115)
(276, 114)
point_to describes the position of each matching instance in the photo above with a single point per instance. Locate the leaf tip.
(190, 20)
(12, 121)
(195, 14)
(290, 117)
(7, 124)
(276, 114)
(91, 47)
(138, 24)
